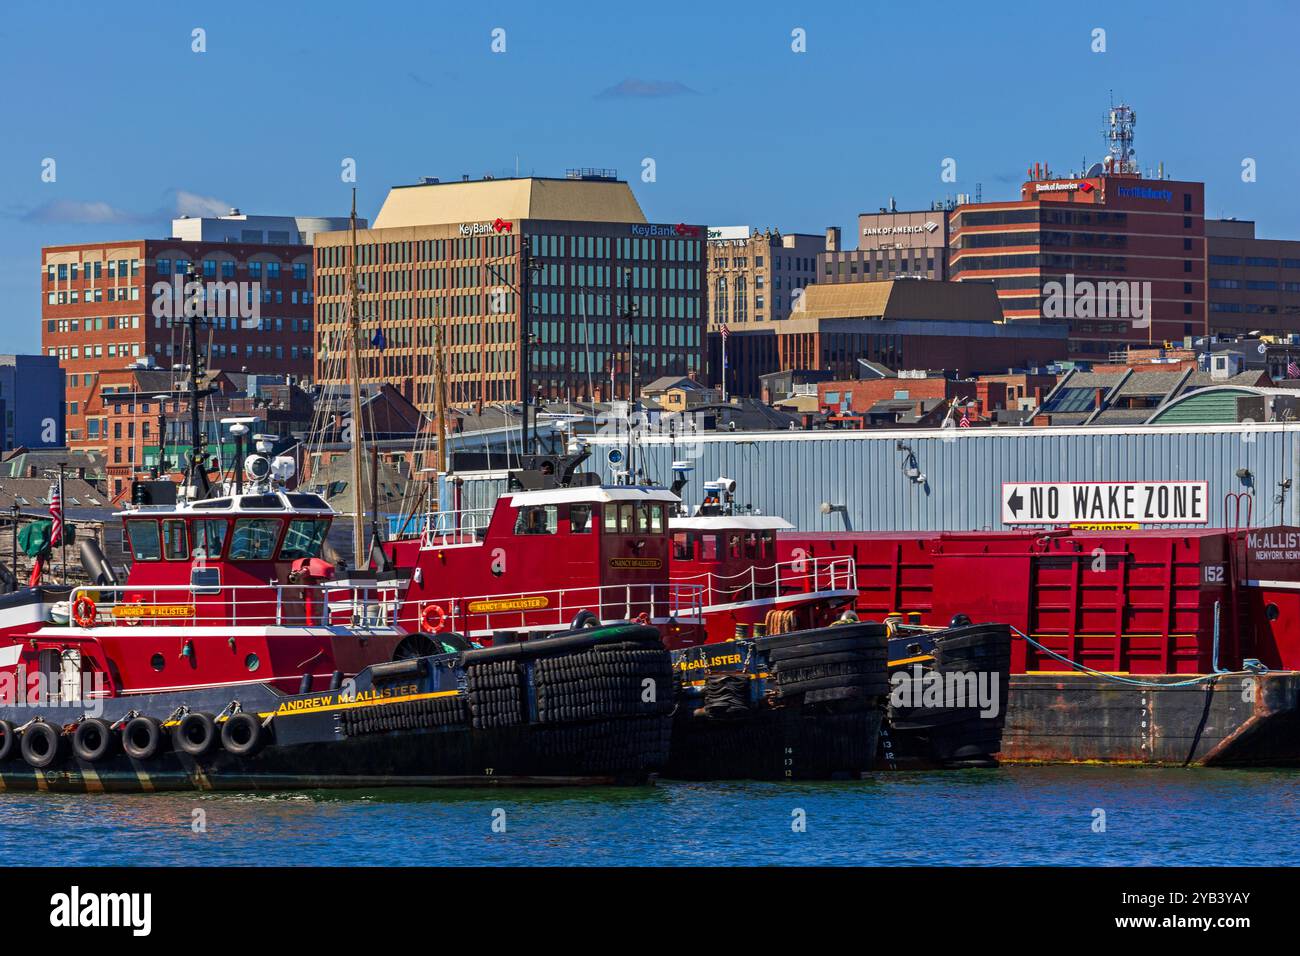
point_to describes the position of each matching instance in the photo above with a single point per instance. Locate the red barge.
(1168, 647)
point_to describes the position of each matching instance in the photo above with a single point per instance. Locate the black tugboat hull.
(922, 736)
(801, 706)
(585, 708)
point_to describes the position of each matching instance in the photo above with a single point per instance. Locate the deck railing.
(441, 528)
(250, 605)
(556, 608)
(801, 577)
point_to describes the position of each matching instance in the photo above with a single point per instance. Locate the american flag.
(1292, 369)
(724, 330)
(965, 422)
(56, 512)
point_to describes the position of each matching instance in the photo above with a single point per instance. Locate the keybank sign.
(653, 232)
(1145, 192)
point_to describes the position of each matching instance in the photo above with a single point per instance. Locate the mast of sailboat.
(354, 386)
(197, 477)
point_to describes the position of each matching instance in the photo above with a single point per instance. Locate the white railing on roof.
(805, 577)
(453, 527)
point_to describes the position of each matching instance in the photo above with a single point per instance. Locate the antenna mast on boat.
(443, 458)
(354, 385)
(197, 486)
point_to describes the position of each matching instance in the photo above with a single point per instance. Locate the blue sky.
(741, 128)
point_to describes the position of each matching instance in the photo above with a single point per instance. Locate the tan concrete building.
(442, 266)
(891, 245)
(903, 324)
(756, 277)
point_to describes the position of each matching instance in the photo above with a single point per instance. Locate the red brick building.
(1078, 232)
(105, 306)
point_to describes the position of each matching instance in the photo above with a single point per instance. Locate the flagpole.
(63, 527)
(724, 366)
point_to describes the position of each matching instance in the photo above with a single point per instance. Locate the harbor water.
(1007, 816)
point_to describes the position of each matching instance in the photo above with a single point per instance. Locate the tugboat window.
(303, 539)
(175, 540)
(625, 519)
(205, 581)
(580, 519)
(656, 519)
(709, 547)
(610, 521)
(681, 546)
(210, 536)
(254, 539)
(144, 540)
(260, 502)
(538, 519)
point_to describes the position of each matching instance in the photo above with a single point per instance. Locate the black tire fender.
(196, 734)
(243, 734)
(42, 745)
(8, 740)
(142, 738)
(93, 740)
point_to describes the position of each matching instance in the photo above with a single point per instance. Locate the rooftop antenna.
(1118, 133)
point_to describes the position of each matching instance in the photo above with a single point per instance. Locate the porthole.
(157, 662)
(251, 662)
(1271, 612)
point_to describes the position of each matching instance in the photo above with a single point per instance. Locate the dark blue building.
(31, 402)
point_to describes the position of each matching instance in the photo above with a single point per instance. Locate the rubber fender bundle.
(431, 712)
(843, 663)
(726, 695)
(495, 691)
(620, 679)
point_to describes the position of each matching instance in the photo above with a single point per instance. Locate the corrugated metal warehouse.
(837, 480)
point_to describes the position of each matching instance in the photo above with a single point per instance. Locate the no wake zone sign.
(1139, 502)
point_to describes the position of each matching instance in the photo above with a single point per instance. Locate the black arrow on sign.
(1015, 503)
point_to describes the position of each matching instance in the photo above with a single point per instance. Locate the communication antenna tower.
(1119, 139)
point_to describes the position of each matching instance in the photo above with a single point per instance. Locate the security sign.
(1092, 502)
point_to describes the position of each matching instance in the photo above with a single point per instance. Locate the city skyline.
(737, 124)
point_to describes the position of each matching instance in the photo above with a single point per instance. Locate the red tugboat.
(228, 673)
(948, 704)
(231, 657)
(800, 705)
(745, 589)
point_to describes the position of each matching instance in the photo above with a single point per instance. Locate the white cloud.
(192, 204)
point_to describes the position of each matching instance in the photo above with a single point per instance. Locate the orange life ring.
(83, 611)
(433, 618)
